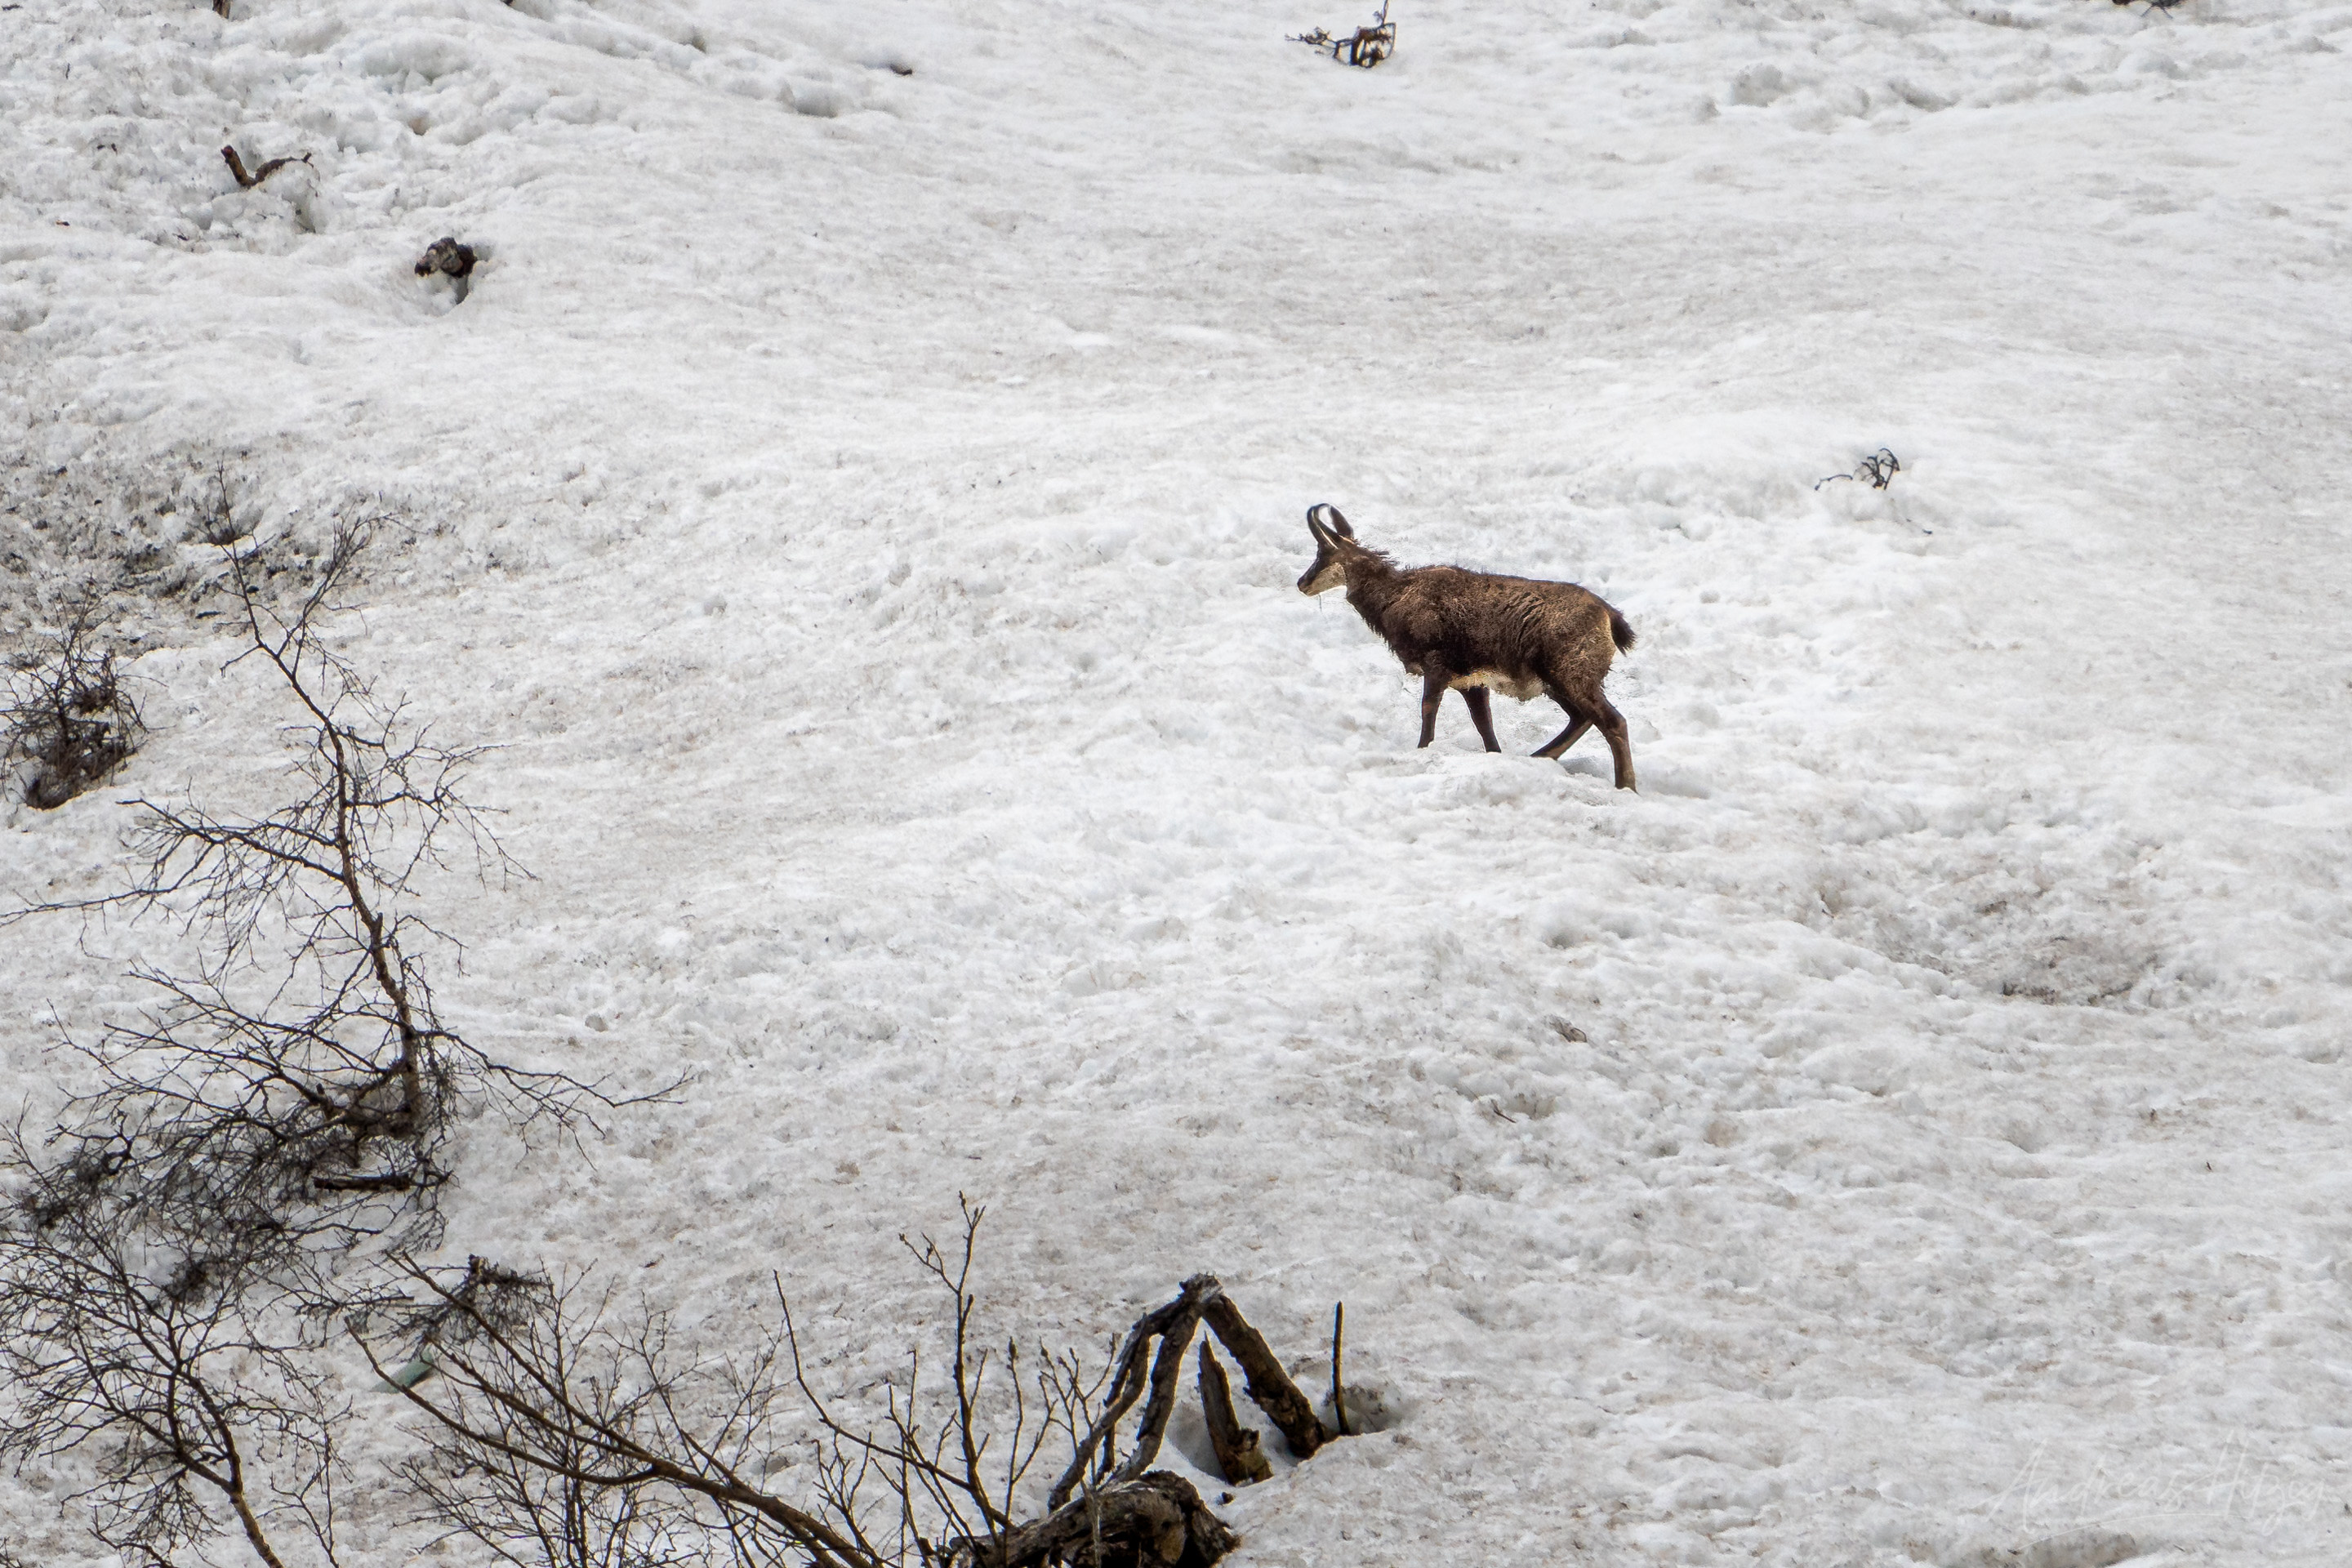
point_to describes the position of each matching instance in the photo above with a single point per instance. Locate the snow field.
(864, 508)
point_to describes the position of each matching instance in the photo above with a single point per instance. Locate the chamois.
(1474, 632)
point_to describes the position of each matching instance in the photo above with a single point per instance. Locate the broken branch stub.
(1339, 1393)
(1239, 1458)
(1267, 1384)
(1203, 1299)
(446, 258)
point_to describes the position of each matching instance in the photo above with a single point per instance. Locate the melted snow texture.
(865, 507)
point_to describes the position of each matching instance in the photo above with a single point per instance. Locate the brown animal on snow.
(1474, 632)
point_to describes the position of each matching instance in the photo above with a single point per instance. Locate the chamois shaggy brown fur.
(1474, 632)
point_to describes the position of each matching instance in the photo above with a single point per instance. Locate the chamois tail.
(1620, 632)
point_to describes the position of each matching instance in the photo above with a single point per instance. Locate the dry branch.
(273, 1126)
(1239, 1458)
(1173, 1324)
(1155, 1521)
(1267, 1384)
(248, 181)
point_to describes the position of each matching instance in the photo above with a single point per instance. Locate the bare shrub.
(297, 1081)
(159, 1354)
(566, 1431)
(67, 711)
(214, 518)
(268, 1134)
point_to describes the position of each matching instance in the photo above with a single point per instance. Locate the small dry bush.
(66, 711)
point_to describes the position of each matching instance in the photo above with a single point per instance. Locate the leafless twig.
(1880, 468)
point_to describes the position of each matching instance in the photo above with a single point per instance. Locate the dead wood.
(1365, 47)
(554, 1422)
(248, 181)
(1268, 1386)
(1880, 468)
(1167, 1368)
(447, 255)
(1239, 1458)
(1173, 1324)
(191, 1384)
(1156, 1520)
(289, 1095)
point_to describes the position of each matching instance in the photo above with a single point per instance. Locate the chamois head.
(1334, 542)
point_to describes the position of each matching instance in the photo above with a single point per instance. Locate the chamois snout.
(1330, 568)
(1322, 577)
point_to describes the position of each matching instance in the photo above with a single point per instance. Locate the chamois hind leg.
(1481, 715)
(1621, 748)
(1579, 722)
(1432, 694)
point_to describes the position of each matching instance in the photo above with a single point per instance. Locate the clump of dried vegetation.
(1878, 470)
(1365, 47)
(66, 714)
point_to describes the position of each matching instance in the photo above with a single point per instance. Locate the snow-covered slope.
(864, 506)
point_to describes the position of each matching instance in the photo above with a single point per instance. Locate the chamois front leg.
(1560, 742)
(1579, 722)
(1434, 681)
(1480, 715)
